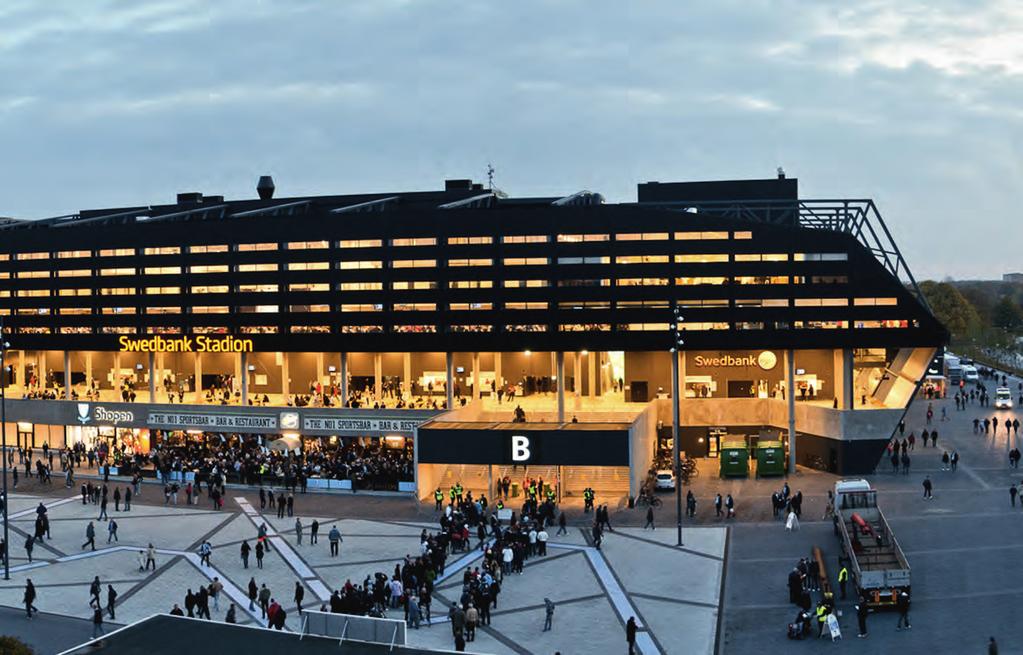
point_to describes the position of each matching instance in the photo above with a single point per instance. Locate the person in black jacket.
(630, 634)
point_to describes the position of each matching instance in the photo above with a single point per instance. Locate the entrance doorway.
(714, 436)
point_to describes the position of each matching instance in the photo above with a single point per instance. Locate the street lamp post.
(3, 439)
(675, 412)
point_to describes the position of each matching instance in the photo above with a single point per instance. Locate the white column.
(88, 369)
(67, 375)
(578, 382)
(41, 358)
(245, 379)
(591, 380)
(378, 367)
(152, 377)
(285, 378)
(406, 378)
(319, 367)
(561, 386)
(116, 384)
(498, 378)
(476, 377)
(344, 379)
(790, 384)
(198, 377)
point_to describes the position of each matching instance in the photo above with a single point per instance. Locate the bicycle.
(648, 499)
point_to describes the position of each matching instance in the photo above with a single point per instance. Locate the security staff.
(822, 618)
(438, 496)
(843, 577)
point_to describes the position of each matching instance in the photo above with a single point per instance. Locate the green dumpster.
(770, 458)
(734, 454)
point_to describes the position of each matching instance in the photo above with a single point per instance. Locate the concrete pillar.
(116, 383)
(319, 367)
(449, 378)
(498, 378)
(406, 376)
(378, 369)
(41, 359)
(591, 378)
(67, 375)
(245, 379)
(344, 379)
(198, 377)
(88, 370)
(849, 400)
(790, 385)
(476, 377)
(578, 382)
(152, 377)
(561, 386)
(285, 378)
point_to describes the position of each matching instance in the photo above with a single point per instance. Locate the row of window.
(424, 328)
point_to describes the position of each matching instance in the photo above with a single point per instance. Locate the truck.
(953, 370)
(877, 565)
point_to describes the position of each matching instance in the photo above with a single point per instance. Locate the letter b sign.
(520, 449)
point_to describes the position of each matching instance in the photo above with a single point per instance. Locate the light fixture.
(252, 367)
(584, 352)
(138, 367)
(332, 369)
(528, 353)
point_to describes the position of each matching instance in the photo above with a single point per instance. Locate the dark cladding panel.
(732, 190)
(541, 447)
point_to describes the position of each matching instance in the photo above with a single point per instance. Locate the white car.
(665, 480)
(1003, 398)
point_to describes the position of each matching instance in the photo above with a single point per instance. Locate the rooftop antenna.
(781, 173)
(490, 177)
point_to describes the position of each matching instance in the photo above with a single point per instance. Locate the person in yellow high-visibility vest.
(843, 578)
(822, 618)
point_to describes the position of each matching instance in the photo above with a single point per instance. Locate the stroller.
(800, 628)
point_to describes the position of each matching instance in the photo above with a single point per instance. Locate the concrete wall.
(642, 444)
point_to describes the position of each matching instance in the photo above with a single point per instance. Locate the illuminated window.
(158, 291)
(117, 330)
(361, 329)
(872, 302)
(642, 259)
(469, 306)
(309, 286)
(472, 328)
(117, 252)
(470, 262)
(413, 285)
(118, 310)
(256, 268)
(361, 286)
(820, 325)
(209, 329)
(106, 272)
(32, 311)
(33, 293)
(525, 284)
(307, 245)
(163, 250)
(361, 243)
(762, 302)
(642, 327)
(258, 329)
(163, 310)
(73, 254)
(117, 291)
(22, 275)
(414, 263)
(195, 250)
(820, 279)
(308, 266)
(761, 279)
(820, 257)
(688, 281)
(75, 311)
(415, 307)
(821, 302)
(539, 238)
(75, 330)
(690, 326)
(642, 236)
(34, 330)
(702, 259)
(5, 257)
(759, 257)
(749, 325)
(362, 307)
(211, 288)
(415, 328)
(471, 284)
(308, 308)
(525, 261)
(690, 303)
(643, 282)
(604, 282)
(209, 268)
(369, 263)
(742, 235)
(584, 304)
(882, 324)
(580, 238)
(162, 270)
(530, 327)
(22, 256)
(258, 309)
(163, 329)
(584, 260)
(649, 304)
(585, 327)
(469, 241)
(210, 309)
(256, 247)
(525, 305)
(701, 236)
(75, 292)
(417, 241)
(75, 272)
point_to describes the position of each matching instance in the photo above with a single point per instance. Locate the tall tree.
(951, 308)
(1007, 314)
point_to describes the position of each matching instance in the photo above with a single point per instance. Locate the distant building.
(1012, 277)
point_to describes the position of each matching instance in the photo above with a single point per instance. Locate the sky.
(918, 105)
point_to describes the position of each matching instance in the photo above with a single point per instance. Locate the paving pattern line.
(56, 503)
(286, 552)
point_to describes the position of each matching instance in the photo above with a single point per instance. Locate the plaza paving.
(674, 593)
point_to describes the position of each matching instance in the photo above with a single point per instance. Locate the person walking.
(94, 589)
(717, 505)
(472, 618)
(205, 551)
(29, 545)
(30, 598)
(314, 531)
(927, 488)
(150, 557)
(97, 623)
(299, 595)
(259, 554)
(548, 606)
(730, 506)
(630, 634)
(649, 519)
(111, 600)
(861, 618)
(127, 499)
(1013, 492)
(90, 536)
(264, 599)
(298, 530)
(102, 509)
(261, 537)
(117, 499)
(253, 593)
(843, 579)
(215, 588)
(111, 531)
(562, 524)
(992, 647)
(246, 549)
(334, 537)
(902, 605)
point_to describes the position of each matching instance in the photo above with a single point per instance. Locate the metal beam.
(272, 209)
(369, 206)
(482, 200)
